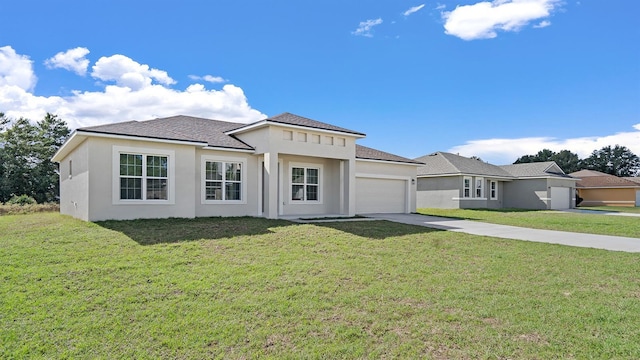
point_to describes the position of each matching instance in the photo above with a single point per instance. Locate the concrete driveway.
(606, 242)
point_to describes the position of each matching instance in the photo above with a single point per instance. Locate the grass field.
(551, 220)
(254, 288)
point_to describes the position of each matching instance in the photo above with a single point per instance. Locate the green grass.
(623, 209)
(255, 288)
(551, 220)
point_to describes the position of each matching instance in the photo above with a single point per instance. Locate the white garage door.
(560, 198)
(380, 196)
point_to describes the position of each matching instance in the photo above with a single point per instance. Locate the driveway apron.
(606, 242)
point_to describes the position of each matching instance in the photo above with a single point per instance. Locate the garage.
(375, 195)
(560, 198)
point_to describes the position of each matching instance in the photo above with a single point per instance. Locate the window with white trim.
(479, 188)
(143, 177)
(305, 183)
(493, 190)
(223, 181)
(466, 187)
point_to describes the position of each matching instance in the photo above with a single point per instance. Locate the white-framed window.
(142, 176)
(479, 188)
(466, 187)
(306, 184)
(224, 180)
(493, 190)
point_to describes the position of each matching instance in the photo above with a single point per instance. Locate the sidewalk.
(606, 242)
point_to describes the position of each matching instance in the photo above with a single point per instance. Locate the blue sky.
(494, 79)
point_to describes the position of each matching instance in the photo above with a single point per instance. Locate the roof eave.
(389, 161)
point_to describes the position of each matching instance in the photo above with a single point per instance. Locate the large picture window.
(223, 181)
(143, 177)
(305, 184)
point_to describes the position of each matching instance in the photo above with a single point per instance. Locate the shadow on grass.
(381, 229)
(175, 230)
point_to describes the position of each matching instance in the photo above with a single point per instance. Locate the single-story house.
(184, 166)
(456, 182)
(599, 189)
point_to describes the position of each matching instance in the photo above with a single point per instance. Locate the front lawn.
(545, 219)
(251, 288)
(622, 209)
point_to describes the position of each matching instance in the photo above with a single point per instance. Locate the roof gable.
(289, 119)
(535, 169)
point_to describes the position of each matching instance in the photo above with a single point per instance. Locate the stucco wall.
(439, 192)
(608, 197)
(526, 194)
(74, 187)
(102, 178)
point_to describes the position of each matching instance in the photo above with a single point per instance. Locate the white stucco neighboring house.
(452, 181)
(184, 166)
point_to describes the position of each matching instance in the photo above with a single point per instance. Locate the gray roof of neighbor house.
(296, 120)
(180, 128)
(443, 163)
(535, 169)
(363, 152)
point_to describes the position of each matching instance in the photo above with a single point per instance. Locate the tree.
(566, 160)
(617, 160)
(25, 153)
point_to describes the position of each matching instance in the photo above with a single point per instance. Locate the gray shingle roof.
(443, 163)
(181, 128)
(292, 119)
(634, 179)
(363, 152)
(535, 169)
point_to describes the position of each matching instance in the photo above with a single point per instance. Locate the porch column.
(350, 186)
(270, 195)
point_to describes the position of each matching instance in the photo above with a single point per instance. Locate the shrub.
(21, 200)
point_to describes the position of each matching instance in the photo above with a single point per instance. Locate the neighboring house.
(600, 189)
(183, 166)
(456, 182)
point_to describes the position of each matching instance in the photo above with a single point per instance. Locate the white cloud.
(365, 27)
(483, 19)
(72, 60)
(16, 70)
(119, 102)
(441, 6)
(126, 72)
(506, 151)
(413, 10)
(209, 78)
(542, 24)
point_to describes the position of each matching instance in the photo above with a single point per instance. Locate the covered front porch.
(293, 186)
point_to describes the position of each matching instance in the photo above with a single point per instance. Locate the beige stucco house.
(456, 182)
(183, 166)
(599, 189)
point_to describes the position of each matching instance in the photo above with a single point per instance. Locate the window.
(143, 177)
(479, 188)
(493, 190)
(466, 187)
(223, 181)
(305, 184)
